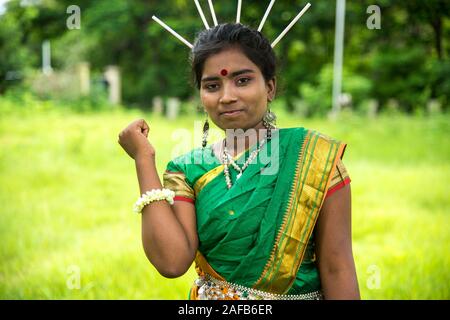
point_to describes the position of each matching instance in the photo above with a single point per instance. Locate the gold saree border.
(311, 179)
(212, 174)
(176, 181)
(207, 178)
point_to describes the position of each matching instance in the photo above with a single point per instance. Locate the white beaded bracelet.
(153, 195)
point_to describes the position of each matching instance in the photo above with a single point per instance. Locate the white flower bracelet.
(153, 195)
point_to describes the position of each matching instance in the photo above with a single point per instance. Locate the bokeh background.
(73, 74)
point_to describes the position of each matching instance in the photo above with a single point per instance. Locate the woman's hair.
(223, 36)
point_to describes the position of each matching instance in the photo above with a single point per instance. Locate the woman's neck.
(238, 140)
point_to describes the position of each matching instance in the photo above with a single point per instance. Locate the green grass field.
(67, 230)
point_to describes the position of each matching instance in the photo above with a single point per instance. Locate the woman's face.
(232, 82)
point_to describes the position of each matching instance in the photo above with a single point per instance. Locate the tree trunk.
(437, 28)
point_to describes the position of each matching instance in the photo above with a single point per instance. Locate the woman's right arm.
(169, 233)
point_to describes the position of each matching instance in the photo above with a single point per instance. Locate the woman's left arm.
(334, 247)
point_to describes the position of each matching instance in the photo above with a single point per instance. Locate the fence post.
(173, 107)
(112, 75)
(157, 106)
(84, 78)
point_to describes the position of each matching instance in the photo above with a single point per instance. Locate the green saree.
(259, 233)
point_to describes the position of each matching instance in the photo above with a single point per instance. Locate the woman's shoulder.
(193, 164)
(195, 156)
(186, 157)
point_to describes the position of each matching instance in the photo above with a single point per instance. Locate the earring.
(269, 121)
(205, 132)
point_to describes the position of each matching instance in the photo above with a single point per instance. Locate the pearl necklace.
(227, 159)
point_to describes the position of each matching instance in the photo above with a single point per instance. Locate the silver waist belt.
(210, 288)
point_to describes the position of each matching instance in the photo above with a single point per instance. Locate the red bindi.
(224, 72)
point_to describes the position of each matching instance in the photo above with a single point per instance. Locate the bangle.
(153, 195)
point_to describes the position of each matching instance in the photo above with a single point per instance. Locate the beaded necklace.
(227, 159)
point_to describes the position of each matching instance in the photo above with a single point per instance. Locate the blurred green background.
(67, 230)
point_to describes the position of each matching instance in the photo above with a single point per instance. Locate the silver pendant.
(238, 176)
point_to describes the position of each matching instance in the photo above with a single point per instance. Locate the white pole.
(338, 55)
(238, 15)
(213, 13)
(173, 32)
(261, 25)
(46, 58)
(202, 15)
(294, 21)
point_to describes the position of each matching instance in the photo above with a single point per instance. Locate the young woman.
(265, 213)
